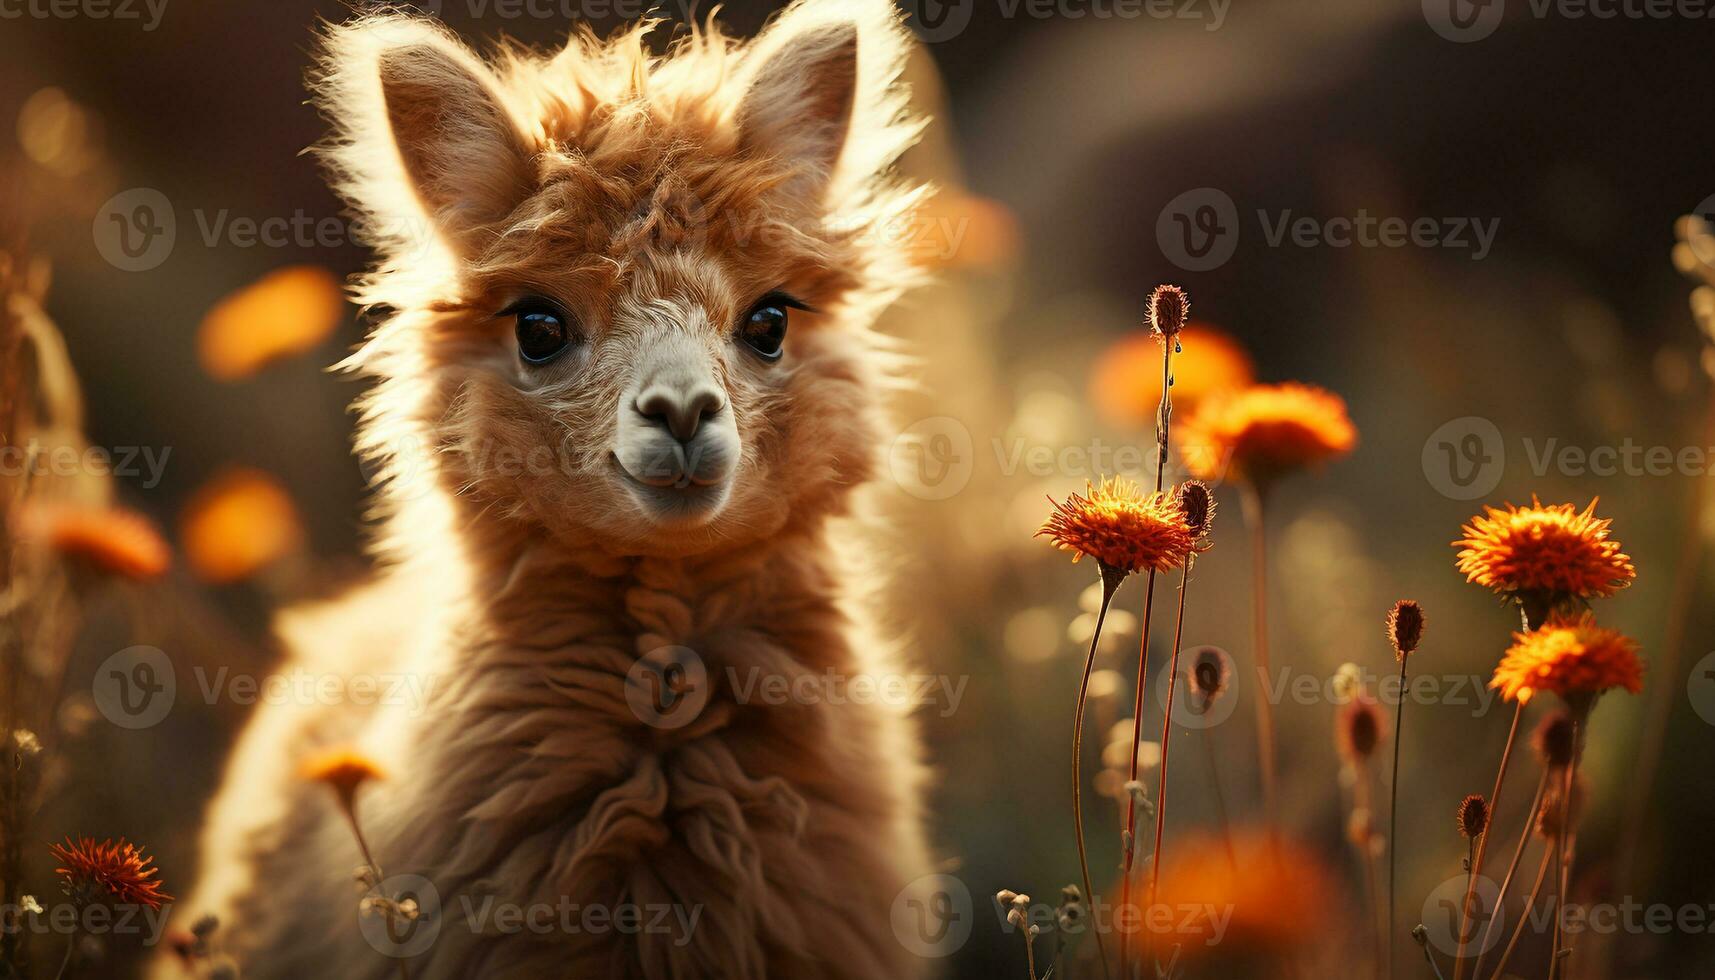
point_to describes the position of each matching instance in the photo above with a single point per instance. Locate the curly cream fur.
(655, 197)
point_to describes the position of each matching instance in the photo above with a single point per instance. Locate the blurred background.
(1066, 138)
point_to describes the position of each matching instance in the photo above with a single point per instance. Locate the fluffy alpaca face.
(643, 323)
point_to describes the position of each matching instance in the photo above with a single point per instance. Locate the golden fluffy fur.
(653, 198)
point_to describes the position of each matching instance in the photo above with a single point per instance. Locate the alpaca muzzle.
(677, 439)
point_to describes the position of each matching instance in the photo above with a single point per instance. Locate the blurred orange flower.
(1125, 384)
(341, 769)
(1574, 658)
(1555, 549)
(112, 539)
(238, 523)
(1266, 431)
(955, 231)
(1121, 527)
(283, 314)
(118, 872)
(1266, 887)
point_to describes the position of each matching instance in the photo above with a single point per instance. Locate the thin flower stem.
(1166, 734)
(1367, 855)
(1253, 510)
(71, 944)
(1483, 846)
(1506, 883)
(1220, 801)
(1128, 840)
(1524, 914)
(1432, 964)
(1393, 816)
(375, 869)
(1563, 844)
(1111, 579)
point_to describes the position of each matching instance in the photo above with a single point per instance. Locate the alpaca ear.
(420, 128)
(799, 103)
(461, 148)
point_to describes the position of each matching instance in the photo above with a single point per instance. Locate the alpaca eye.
(764, 327)
(542, 333)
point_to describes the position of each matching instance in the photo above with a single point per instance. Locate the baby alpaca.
(624, 388)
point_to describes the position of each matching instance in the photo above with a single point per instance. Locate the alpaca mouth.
(680, 500)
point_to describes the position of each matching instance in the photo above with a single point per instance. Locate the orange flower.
(285, 313)
(1122, 528)
(120, 872)
(112, 539)
(1574, 658)
(238, 523)
(1554, 549)
(341, 769)
(1252, 890)
(1266, 431)
(1126, 382)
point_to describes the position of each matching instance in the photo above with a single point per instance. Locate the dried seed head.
(1552, 740)
(1197, 503)
(1359, 729)
(1548, 822)
(1169, 310)
(1405, 627)
(1348, 681)
(1210, 674)
(1473, 815)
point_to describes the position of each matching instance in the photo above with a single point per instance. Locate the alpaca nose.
(680, 410)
